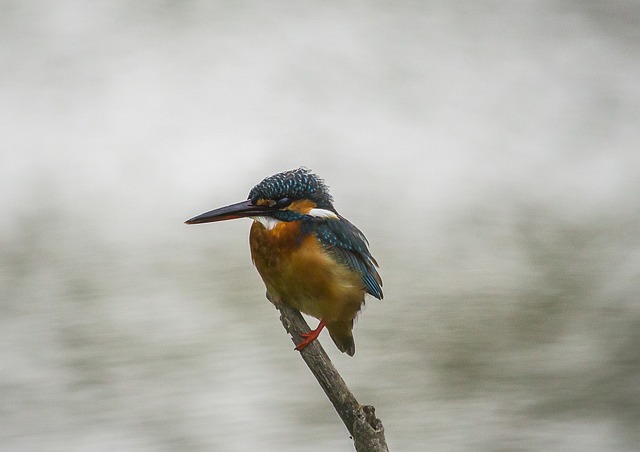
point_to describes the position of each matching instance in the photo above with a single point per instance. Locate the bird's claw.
(310, 336)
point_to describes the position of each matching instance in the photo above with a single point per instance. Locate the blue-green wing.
(350, 247)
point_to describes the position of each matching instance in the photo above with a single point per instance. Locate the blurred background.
(488, 150)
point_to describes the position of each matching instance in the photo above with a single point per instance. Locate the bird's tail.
(341, 333)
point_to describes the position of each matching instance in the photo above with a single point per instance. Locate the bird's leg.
(310, 336)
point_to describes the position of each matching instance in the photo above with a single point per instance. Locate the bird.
(309, 256)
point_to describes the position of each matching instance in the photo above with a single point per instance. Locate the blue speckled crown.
(295, 184)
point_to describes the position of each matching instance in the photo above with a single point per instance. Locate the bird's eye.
(282, 203)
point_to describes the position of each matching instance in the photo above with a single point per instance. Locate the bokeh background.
(489, 150)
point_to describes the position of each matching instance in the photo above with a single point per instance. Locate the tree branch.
(361, 422)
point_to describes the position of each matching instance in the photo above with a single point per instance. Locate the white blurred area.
(490, 151)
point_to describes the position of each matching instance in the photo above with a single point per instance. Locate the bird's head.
(287, 196)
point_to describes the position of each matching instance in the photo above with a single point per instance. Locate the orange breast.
(298, 272)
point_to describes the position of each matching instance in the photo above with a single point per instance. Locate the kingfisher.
(309, 256)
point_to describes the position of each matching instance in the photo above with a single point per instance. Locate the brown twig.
(361, 422)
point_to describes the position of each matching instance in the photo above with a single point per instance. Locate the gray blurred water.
(489, 151)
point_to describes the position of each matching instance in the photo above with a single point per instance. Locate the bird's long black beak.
(238, 210)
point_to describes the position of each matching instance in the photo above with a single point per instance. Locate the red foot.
(310, 336)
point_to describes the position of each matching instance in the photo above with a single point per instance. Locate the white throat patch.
(268, 222)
